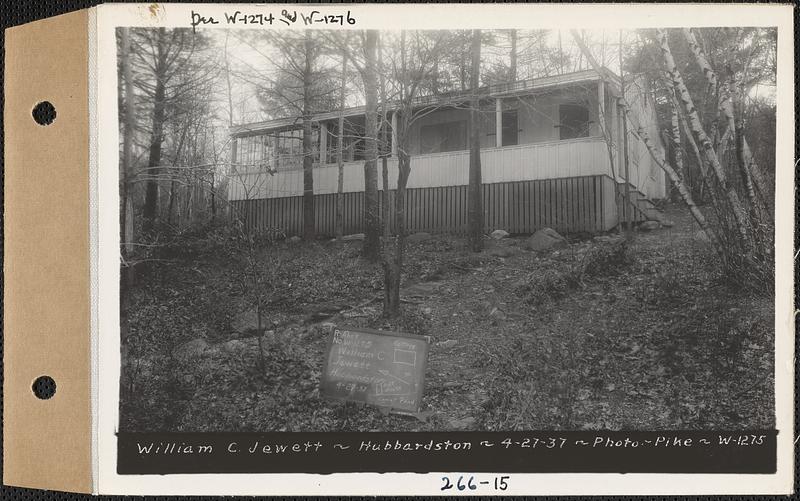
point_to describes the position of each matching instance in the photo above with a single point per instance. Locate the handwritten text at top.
(285, 18)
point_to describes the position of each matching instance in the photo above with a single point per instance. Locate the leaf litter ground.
(597, 335)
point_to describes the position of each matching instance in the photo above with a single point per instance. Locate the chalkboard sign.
(386, 369)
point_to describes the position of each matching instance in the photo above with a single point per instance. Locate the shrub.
(550, 284)
(606, 259)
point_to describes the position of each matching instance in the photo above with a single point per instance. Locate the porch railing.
(548, 160)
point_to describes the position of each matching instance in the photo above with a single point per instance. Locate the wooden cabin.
(551, 156)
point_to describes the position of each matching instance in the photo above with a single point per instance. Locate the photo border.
(437, 16)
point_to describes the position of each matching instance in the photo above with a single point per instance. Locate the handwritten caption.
(482, 454)
(544, 442)
(285, 17)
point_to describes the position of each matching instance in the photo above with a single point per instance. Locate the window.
(510, 128)
(448, 136)
(573, 121)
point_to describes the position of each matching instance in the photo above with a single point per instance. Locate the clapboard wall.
(568, 205)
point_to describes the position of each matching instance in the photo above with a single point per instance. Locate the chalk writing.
(385, 369)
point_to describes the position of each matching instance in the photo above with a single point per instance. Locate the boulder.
(191, 349)
(354, 237)
(649, 226)
(544, 239)
(667, 223)
(294, 240)
(499, 234)
(418, 237)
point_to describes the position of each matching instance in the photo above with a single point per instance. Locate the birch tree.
(703, 140)
(655, 153)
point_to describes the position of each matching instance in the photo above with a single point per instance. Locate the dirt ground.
(598, 334)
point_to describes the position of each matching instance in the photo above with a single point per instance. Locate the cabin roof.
(511, 89)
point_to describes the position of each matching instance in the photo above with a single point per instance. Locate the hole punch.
(44, 387)
(44, 113)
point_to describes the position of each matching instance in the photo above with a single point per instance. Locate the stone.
(418, 237)
(701, 236)
(448, 344)
(498, 314)
(427, 311)
(294, 240)
(353, 237)
(545, 239)
(234, 346)
(649, 226)
(466, 423)
(667, 223)
(191, 349)
(499, 234)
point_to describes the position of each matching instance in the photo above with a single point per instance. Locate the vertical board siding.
(568, 205)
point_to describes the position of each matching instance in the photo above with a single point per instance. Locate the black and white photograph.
(557, 229)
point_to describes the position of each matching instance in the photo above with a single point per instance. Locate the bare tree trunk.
(228, 82)
(394, 267)
(371, 212)
(127, 145)
(626, 201)
(339, 224)
(171, 201)
(701, 163)
(512, 67)
(701, 59)
(393, 261)
(386, 212)
(475, 186)
(676, 142)
(703, 140)
(157, 135)
(754, 183)
(126, 211)
(675, 132)
(308, 160)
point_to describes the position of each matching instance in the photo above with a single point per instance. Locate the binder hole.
(44, 113)
(44, 387)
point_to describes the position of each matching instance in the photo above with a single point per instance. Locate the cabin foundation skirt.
(568, 205)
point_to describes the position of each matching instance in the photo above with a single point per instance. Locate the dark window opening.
(439, 138)
(573, 121)
(510, 128)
